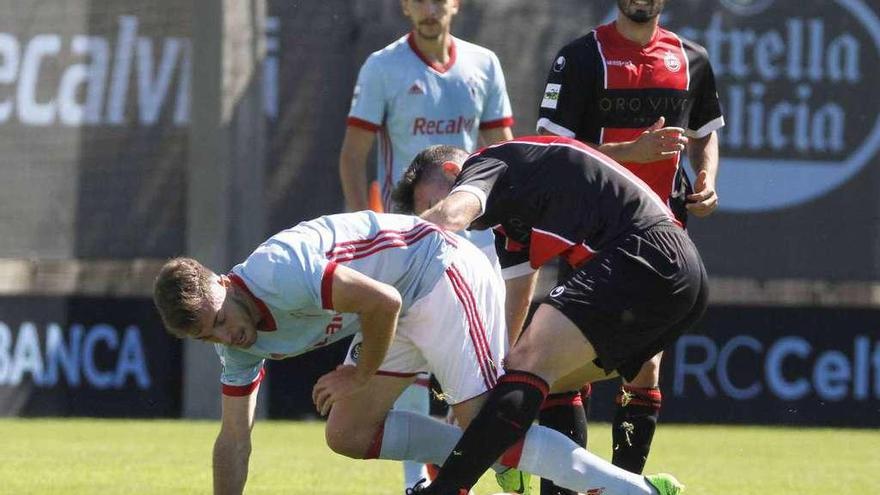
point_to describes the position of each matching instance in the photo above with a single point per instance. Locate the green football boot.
(514, 481)
(665, 484)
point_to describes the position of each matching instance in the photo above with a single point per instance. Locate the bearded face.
(641, 11)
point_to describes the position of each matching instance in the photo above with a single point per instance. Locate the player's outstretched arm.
(232, 449)
(378, 306)
(456, 211)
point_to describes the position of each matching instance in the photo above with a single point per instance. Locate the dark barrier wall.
(86, 357)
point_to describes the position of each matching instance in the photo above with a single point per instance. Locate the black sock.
(634, 425)
(565, 413)
(511, 408)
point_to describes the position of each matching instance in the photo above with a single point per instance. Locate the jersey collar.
(441, 68)
(267, 321)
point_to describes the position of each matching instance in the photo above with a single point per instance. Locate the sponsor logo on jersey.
(430, 127)
(473, 84)
(417, 88)
(551, 96)
(355, 352)
(619, 63)
(639, 104)
(672, 63)
(559, 64)
(557, 291)
(330, 330)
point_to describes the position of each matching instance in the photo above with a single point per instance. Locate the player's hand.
(338, 384)
(657, 143)
(704, 200)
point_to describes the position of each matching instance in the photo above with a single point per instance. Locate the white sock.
(551, 455)
(419, 438)
(415, 437)
(546, 453)
(416, 399)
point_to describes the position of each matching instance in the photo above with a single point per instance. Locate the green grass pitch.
(89, 456)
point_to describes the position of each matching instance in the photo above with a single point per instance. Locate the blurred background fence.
(131, 131)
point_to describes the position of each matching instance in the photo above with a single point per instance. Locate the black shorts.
(635, 298)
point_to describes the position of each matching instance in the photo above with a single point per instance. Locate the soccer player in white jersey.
(422, 299)
(425, 88)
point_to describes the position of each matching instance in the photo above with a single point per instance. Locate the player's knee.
(343, 442)
(533, 360)
(649, 374)
(523, 356)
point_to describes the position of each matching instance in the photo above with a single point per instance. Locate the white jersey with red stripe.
(290, 277)
(413, 103)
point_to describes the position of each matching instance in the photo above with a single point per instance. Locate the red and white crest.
(672, 62)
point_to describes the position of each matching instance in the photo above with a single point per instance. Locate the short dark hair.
(180, 292)
(427, 165)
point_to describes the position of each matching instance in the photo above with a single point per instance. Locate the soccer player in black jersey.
(641, 95)
(638, 284)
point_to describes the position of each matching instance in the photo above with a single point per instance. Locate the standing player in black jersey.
(638, 284)
(617, 89)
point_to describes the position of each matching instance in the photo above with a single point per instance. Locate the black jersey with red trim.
(603, 88)
(548, 196)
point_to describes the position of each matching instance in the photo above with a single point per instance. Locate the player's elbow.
(381, 298)
(385, 300)
(457, 223)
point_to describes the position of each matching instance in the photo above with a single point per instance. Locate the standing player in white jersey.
(425, 88)
(423, 300)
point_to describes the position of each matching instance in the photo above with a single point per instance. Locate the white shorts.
(457, 331)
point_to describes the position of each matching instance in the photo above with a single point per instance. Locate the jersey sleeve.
(478, 176)
(497, 111)
(289, 276)
(368, 101)
(569, 80)
(705, 116)
(240, 373)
